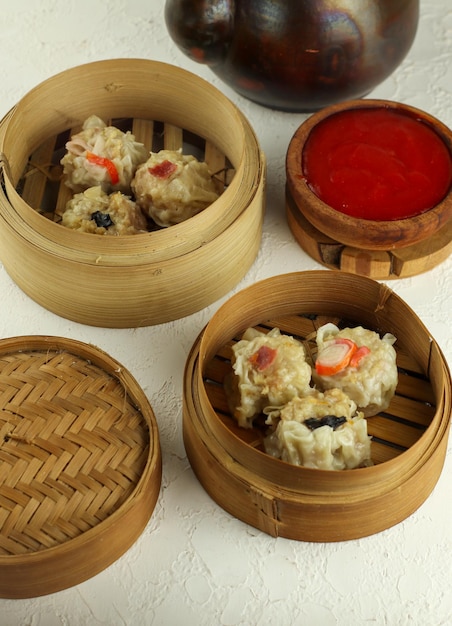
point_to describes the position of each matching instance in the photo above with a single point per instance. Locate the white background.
(195, 565)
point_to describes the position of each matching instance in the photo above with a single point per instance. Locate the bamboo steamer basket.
(80, 463)
(409, 439)
(137, 280)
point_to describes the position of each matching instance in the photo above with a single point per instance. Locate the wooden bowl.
(409, 438)
(80, 463)
(134, 280)
(359, 233)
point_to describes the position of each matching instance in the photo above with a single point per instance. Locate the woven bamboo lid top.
(77, 444)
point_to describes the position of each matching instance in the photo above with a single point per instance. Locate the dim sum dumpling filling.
(102, 155)
(269, 370)
(171, 187)
(95, 211)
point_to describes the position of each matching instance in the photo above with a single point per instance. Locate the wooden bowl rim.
(374, 234)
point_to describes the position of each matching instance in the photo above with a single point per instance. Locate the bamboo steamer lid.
(134, 280)
(409, 438)
(80, 463)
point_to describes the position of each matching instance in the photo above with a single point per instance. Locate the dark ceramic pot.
(296, 55)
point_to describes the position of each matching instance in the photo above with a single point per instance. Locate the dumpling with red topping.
(102, 155)
(171, 187)
(360, 363)
(269, 370)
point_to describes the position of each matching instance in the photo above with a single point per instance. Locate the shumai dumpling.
(269, 370)
(368, 372)
(102, 155)
(320, 430)
(171, 187)
(94, 211)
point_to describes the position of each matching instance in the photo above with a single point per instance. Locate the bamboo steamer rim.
(107, 90)
(59, 566)
(357, 232)
(268, 299)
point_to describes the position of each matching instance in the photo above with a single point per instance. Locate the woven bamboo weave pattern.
(72, 448)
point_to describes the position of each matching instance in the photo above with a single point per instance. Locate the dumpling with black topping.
(94, 211)
(321, 431)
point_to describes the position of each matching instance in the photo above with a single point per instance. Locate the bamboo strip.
(216, 162)
(172, 137)
(144, 132)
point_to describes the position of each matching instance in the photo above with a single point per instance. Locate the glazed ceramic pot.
(296, 55)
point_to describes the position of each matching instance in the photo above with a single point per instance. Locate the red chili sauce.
(377, 164)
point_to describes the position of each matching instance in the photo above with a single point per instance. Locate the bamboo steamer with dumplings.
(80, 463)
(409, 438)
(144, 279)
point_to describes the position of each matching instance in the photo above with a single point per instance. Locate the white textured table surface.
(195, 565)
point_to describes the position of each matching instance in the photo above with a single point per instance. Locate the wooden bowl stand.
(376, 264)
